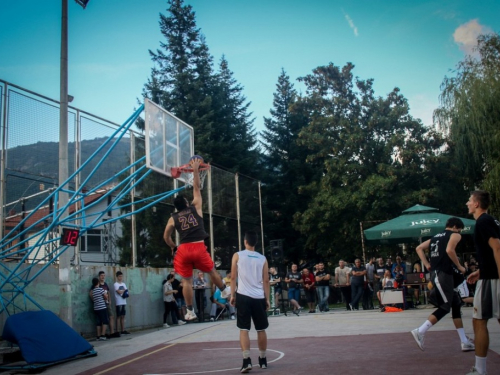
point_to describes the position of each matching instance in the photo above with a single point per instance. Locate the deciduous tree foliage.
(470, 113)
(371, 154)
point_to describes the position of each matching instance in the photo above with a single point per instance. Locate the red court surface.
(377, 354)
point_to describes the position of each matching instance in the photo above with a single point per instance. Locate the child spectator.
(99, 297)
(121, 295)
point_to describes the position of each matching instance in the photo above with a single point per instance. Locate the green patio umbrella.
(416, 224)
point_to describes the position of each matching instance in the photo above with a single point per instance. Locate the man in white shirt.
(251, 299)
(342, 281)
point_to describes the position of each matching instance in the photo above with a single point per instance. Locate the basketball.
(196, 157)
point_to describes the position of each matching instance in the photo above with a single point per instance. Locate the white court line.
(281, 355)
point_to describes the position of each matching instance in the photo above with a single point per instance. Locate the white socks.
(481, 364)
(461, 333)
(424, 327)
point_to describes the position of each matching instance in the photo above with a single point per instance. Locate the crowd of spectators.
(355, 284)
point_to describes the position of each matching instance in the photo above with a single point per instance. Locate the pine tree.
(285, 171)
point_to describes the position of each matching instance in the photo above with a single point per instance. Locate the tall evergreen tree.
(184, 82)
(235, 142)
(286, 170)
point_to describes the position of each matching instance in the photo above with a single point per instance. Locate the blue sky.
(407, 44)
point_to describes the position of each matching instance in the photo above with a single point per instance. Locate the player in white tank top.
(250, 264)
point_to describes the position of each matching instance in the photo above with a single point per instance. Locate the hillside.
(35, 167)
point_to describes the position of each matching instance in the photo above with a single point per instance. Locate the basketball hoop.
(187, 172)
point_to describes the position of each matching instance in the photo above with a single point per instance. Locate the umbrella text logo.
(425, 222)
(386, 233)
(425, 231)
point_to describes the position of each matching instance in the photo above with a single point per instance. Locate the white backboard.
(169, 140)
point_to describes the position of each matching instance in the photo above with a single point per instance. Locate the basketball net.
(186, 171)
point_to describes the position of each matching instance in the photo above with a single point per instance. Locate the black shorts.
(442, 292)
(248, 309)
(101, 317)
(120, 310)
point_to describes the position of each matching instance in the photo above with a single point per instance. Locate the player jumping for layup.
(192, 252)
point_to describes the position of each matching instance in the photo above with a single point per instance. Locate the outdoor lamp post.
(65, 311)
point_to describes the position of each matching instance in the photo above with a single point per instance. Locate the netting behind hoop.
(186, 172)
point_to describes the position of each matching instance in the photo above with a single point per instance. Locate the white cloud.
(466, 35)
(351, 24)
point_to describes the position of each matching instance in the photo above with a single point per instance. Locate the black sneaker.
(263, 362)
(247, 365)
(115, 335)
(107, 336)
(125, 333)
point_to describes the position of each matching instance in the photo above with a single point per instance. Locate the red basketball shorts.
(191, 256)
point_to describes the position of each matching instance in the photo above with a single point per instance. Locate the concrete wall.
(144, 306)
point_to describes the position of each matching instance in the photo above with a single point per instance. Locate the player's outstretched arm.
(197, 199)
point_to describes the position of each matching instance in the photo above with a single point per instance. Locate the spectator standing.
(380, 268)
(369, 284)
(111, 314)
(309, 288)
(169, 302)
(121, 295)
(275, 281)
(358, 273)
(199, 285)
(294, 280)
(343, 281)
(323, 287)
(99, 297)
(251, 299)
(487, 293)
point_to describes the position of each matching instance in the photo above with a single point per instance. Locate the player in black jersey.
(443, 294)
(192, 252)
(487, 295)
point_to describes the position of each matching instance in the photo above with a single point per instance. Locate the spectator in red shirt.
(309, 288)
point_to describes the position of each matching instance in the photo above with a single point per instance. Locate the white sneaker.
(166, 325)
(212, 319)
(190, 315)
(419, 339)
(226, 293)
(232, 317)
(181, 322)
(473, 371)
(468, 346)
